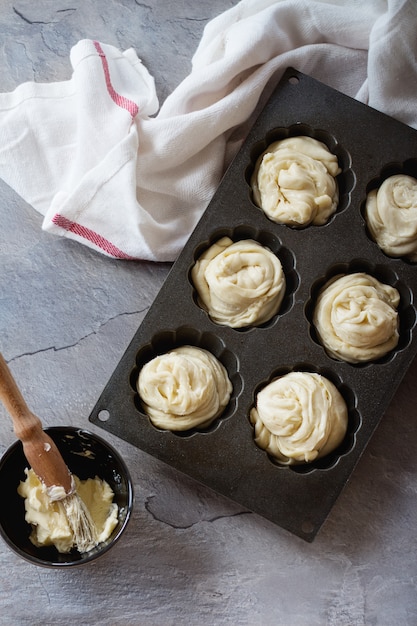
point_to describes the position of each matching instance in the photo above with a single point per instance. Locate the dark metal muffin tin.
(369, 146)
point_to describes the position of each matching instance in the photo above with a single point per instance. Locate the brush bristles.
(81, 523)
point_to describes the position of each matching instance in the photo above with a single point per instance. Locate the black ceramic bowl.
(87, 456)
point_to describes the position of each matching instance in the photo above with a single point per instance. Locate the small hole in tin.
(103, 415)
(354, 419)
(168, 340)
(307, 527)
(387, 276)
(408, 254)
(267, 240)
(345, 179)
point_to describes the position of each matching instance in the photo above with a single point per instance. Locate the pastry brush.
(46, 461)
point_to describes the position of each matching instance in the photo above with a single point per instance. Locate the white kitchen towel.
(104, 165)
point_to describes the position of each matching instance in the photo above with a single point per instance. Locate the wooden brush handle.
(40, 450)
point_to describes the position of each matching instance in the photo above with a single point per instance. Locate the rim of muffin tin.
(346, 179)
(386, 275)
(266, 239)
(330, 460)
(408, 168)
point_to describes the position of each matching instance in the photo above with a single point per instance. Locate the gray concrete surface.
(66, 316)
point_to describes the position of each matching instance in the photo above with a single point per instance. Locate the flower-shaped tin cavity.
(184, 388)
(390, 210)
(295, 175)
(243, 278)
(304, 418)
(361, 313)
(185, 380)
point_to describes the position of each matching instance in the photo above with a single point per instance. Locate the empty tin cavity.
(291, 193)
(276, 301)
(386, 276)
(347, 403)
(167, 341)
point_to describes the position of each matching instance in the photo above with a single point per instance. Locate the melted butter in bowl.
(87, 456)
(49, 519)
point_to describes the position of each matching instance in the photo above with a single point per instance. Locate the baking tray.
(369, 146)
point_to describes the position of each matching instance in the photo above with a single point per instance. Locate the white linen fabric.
(104, 165)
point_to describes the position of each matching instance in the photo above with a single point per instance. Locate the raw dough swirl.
(299, 417)
(239, 284)
(184, 388)
(356, 317)
(391, 215)
(294, 182)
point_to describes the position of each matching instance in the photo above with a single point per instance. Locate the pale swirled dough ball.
(239, 284)
(185, 388)
(356, 317)
(299, 418)
(391, 216)
(294, 182)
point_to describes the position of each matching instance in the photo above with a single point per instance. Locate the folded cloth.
(104, 165)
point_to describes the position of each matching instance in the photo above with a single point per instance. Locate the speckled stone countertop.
(66, 316)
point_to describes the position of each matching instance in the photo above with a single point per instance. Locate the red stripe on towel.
(121, 101)
(78, 229)
(90, 235)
